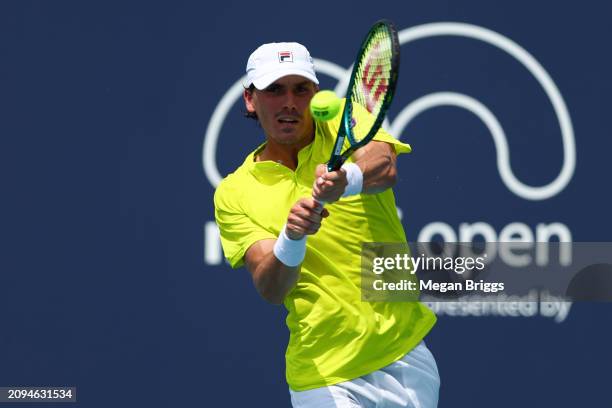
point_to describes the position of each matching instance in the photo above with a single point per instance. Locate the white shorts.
(412, 381)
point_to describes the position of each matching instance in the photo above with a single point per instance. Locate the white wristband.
(354, 175)
(289, 251)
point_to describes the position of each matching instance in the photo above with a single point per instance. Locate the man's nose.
(290, 100)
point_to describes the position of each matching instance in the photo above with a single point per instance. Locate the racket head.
(371, 87)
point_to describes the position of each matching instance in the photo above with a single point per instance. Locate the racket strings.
(371, 88)
(373, 74)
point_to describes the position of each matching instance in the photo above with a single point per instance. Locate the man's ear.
(248, 101)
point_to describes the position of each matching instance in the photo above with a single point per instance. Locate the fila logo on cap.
(285, 56)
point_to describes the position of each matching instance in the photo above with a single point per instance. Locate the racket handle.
(335, 163)
(321, 205)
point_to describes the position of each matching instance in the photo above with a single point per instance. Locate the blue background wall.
(105, 109)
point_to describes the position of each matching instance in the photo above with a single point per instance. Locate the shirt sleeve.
(399, 147)
(364, 120)
(238, 232)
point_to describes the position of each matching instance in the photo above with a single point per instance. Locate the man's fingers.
(302, 226)
(329, 185)
(334, 175)
(309, 204)
(298, 224)
(323, 183)
(320, 170)
(305, 217)
(308, 209)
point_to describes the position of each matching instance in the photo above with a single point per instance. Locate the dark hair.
(247, 114)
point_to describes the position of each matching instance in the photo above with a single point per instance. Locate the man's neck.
(287, 155)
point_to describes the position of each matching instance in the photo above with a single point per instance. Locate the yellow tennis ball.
(325, 105)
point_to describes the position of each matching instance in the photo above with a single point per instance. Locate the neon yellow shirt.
(334, 336)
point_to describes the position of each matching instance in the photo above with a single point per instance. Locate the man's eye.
(273, 89)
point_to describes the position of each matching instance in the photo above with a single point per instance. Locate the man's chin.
(288, 136)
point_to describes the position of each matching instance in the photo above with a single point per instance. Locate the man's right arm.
(272, 278)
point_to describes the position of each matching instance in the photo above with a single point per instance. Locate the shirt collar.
(270, 172)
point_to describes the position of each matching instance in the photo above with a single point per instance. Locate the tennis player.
(342, 352)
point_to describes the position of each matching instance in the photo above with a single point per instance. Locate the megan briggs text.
(442, 287)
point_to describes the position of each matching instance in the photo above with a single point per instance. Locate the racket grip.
(335, 163)
(321, 205)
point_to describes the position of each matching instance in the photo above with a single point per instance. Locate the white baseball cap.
(272, 61)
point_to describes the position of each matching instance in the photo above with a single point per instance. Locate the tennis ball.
(324, 105)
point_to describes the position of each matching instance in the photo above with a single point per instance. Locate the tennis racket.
(371, 86)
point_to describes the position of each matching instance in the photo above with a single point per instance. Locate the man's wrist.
(354, 176)
(289, 251)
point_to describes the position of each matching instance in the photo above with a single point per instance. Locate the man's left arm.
(377, 162)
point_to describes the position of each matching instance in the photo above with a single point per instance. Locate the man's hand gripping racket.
(372, 87)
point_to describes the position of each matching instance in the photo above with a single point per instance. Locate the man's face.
(282, 109)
